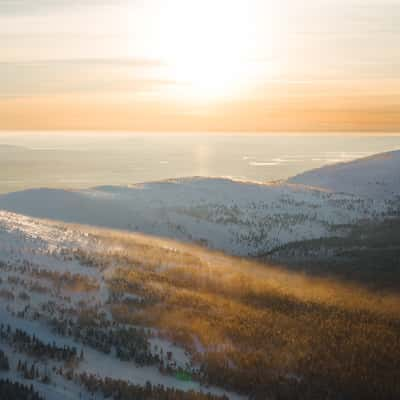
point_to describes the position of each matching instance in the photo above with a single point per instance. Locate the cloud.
(37, 7)
(263, 164)
(123, 62)
(37, 77)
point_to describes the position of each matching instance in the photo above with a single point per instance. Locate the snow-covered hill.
(238, 217)
(376, 177)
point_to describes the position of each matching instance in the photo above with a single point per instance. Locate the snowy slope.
(238, 217)
(27, 244)
(235, 216)
(376, 177)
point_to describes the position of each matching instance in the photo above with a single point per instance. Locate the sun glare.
(207, 47)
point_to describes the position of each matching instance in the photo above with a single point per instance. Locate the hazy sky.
(200, 64)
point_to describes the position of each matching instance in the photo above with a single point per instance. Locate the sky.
(209, 65)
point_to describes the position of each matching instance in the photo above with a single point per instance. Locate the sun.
(208, 47)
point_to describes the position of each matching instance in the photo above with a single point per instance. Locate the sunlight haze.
(176, 65)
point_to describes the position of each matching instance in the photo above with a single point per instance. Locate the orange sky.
(175, 65)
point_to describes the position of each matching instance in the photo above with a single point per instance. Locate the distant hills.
(243, 218)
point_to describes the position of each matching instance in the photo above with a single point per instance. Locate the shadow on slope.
(369, 254)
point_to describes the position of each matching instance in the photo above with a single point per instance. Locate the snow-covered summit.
(376, 177)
